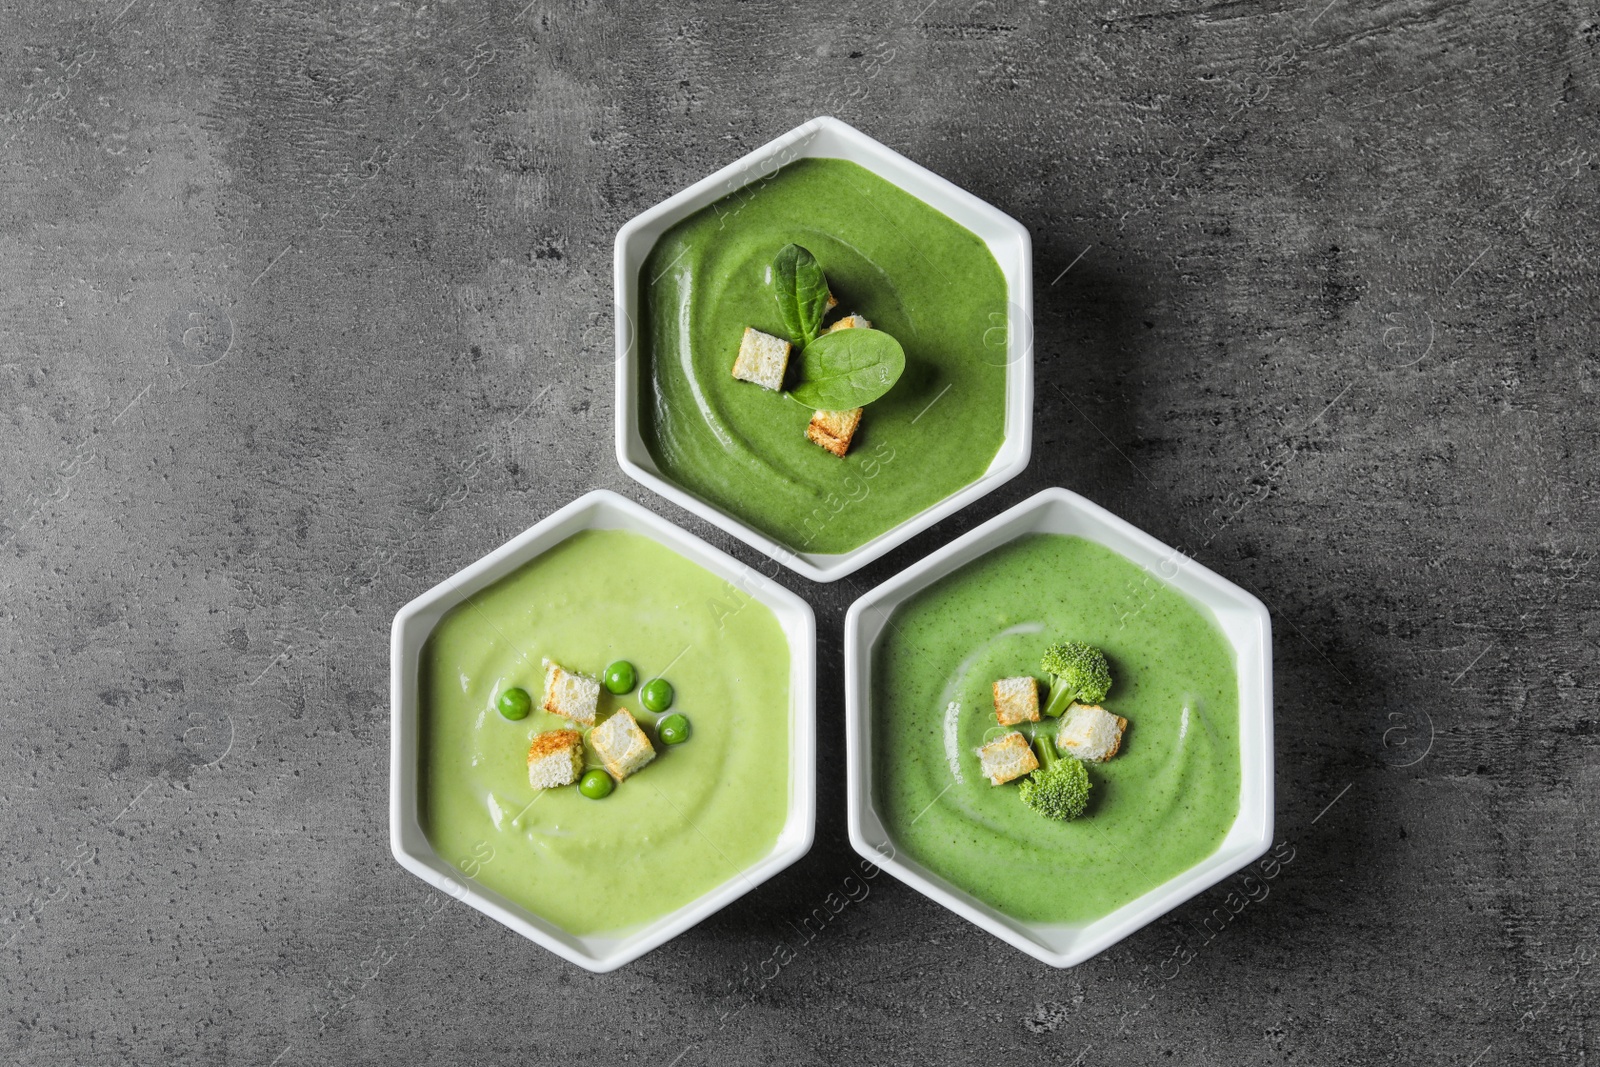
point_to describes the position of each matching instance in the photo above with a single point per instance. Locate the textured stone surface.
(305, 306)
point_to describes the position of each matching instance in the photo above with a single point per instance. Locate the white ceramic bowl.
(604, 511)
(825, 137)
(1245, 624)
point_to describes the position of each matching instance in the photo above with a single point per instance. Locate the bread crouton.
(762, 359)
(1016, 700)
(853, 321)
(572, 696)
(833, 301)
(834, 429)
(1090, 733)
(622, 747)
(555, 758)
(1006, 758)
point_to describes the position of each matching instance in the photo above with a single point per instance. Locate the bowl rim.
(409, 845)
(633, 458)
(1157, 901)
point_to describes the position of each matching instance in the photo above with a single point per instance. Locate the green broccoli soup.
(614, 836)
(950, 678)
(749, 409)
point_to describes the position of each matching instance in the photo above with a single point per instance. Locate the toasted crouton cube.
(1006, 758)
(762, 359)
(834, 429)
(572, 696)
(1016, 700)
(833, 301)
(621, 745)
(853, 321)
(555, 759)
(1090, 733)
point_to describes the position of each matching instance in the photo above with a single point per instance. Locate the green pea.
(596, 784)
(656, 694)
(515, 703)
(620, 677)
(674, 729)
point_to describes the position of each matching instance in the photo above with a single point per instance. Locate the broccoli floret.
(1078, 672)
(1059, 789)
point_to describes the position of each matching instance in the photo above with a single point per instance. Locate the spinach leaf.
(848, 368)
(802, 293)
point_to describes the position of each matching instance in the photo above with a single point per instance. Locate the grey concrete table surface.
(308, 305)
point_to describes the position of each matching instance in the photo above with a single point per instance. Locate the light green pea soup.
(695, 817)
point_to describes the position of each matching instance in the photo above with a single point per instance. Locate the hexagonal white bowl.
(829, 138)
(1245, 623)
(598, 510)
